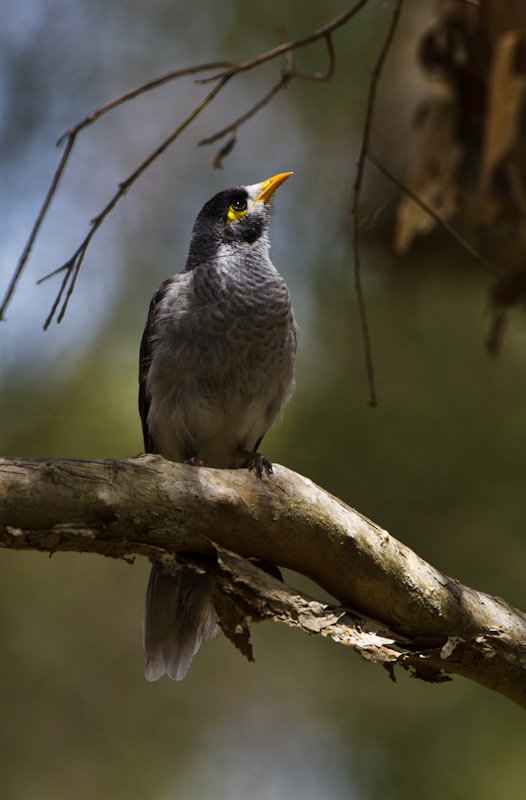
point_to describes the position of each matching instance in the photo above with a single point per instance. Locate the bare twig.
(217, 161)
(319, 76)
(70, 136)
(444, 224)
(321, 33)
(36, 227)
(364, 150)
(232, 128)
(72, 266)
(68, 266)
(145, 87)
(287, 75)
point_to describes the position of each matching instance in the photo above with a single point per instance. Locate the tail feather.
(178, 615)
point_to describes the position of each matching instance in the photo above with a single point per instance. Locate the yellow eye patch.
(237, 210)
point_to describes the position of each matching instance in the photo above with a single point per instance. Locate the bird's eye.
(239, 205)
(237, 210)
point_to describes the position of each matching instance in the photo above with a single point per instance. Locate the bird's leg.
(254, 461)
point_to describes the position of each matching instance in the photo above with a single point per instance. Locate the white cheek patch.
(253, 192)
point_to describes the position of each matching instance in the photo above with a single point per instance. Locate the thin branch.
(322, 32)
(375, 75)
(444, 224)
(319, 76)
(287, 75)
(283, 81)
(145, 87)
(70, 136)
(68, 266)
(72, 266)
(36, 227)
(232, 128)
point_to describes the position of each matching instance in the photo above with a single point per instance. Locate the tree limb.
(404, 611)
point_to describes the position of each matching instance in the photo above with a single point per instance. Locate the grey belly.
(209, 406)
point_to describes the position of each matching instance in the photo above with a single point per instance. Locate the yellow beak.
(269, 186)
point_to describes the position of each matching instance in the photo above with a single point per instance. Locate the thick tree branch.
(403, 609)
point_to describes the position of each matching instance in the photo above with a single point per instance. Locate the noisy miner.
(216, 366)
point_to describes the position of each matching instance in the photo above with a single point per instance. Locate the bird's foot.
(197, 462)
(255, 461)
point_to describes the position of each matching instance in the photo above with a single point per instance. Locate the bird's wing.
(145, 357)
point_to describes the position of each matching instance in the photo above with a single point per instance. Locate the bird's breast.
(225, 365)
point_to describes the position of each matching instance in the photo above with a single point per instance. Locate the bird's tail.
(178, 615)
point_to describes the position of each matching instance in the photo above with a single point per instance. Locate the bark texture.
(392, 606)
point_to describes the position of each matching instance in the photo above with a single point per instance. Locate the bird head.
(233, 216)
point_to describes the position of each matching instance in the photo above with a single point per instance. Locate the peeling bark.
(394, 607)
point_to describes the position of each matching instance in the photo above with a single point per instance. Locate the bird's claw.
(254, 462)
(259, 464)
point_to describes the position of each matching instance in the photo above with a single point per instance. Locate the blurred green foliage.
(440, 462)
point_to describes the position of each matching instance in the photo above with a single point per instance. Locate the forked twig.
(145, 87)
(69, 137)
(72, 266)
(319, 76)
(36, 227)
(232, 128)
(287, 75)
(281, 49)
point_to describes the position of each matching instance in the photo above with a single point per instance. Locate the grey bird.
(216, 366)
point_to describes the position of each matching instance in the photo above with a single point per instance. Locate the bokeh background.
(440, 462)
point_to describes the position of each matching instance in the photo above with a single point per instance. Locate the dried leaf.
(225, 151)
(233, 623)
(502, 131)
